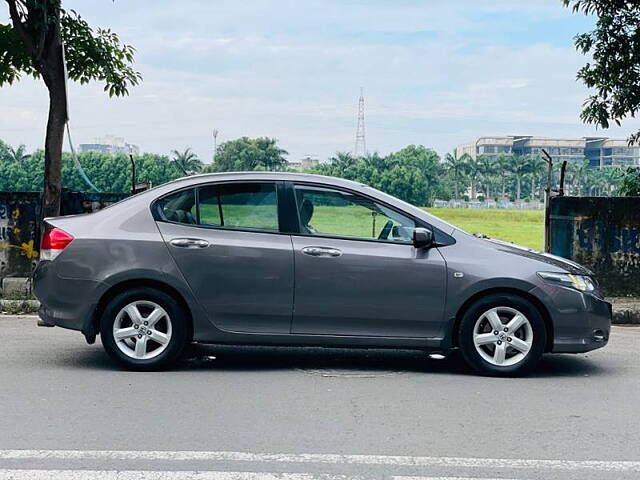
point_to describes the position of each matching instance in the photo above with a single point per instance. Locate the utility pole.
(360, 149)
(215, 144)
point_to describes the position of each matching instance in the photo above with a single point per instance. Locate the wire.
(76, 162)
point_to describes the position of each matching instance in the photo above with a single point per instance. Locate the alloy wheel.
(503, 336)
(142, 330)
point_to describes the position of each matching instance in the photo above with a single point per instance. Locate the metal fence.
(602, 234)
(490, 204)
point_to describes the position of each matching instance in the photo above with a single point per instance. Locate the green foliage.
(411, 174)
(110, 173)
(247, 153)
(186, 162)
(414, 174)
(630, 184)
(90, 55)
(614, 46)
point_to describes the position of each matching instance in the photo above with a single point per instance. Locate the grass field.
(524, 227)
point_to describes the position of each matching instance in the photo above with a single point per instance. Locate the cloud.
(436, 73)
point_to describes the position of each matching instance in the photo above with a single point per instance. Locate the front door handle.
(321, 251)
(189, 243)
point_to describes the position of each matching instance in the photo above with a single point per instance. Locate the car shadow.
(333, 362)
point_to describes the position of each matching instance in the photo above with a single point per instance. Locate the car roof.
(283, 176)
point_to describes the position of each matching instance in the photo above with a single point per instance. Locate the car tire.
(144, 329)
(491, 347)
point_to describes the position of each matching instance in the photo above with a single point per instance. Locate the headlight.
(579, 282)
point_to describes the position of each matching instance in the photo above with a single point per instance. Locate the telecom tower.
(361, 144)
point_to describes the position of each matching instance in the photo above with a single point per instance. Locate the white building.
(109, 144)
(599, 151)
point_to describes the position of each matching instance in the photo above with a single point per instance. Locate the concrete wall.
(20, 225)
(602, 234)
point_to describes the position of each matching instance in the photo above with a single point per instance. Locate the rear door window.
(179, 207)
(239, 205)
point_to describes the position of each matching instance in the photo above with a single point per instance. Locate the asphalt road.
(298, 414)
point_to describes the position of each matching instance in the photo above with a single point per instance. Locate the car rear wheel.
(144, 329)
(502, 335)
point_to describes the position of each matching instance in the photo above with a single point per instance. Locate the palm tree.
(343, 160)
(537, 171)
(474, 169)
(186, 162)
(457, 167)
(519, 166)
(502, 167)
(16, 155)
(488, 167)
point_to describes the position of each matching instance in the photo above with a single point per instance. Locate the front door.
(229, 249)
(358, 273)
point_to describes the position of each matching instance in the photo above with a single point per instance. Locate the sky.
(434, 72)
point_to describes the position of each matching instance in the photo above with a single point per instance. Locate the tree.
(457, 168)
(41, 35)
(614, 46)
(186, 162)
(503, 169)
(537, 171)
(519, 166)
(247, 154)
(17, 155)
(488, 168)
(630, 185)
(474, 170)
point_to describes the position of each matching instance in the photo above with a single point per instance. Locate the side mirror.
(422, 238)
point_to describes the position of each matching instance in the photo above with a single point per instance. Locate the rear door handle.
(189, 243)
(321, 251)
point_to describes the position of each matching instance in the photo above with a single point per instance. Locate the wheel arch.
(125, 285)
(546, 316)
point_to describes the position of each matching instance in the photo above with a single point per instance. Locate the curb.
(16, 307)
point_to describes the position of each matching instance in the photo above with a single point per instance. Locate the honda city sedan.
(286, 259)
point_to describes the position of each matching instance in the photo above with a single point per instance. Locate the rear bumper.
(65, 302)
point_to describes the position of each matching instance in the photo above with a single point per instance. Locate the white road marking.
(335, 459)
(158, 475)
(186, 475)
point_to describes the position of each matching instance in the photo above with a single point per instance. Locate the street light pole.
(215, 144)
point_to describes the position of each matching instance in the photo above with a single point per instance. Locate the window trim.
(158, 216)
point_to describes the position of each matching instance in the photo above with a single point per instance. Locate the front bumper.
(581, 321)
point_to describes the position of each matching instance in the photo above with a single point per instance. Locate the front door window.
(336, 213)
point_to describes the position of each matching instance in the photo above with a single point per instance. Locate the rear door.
(357, 271)
(226, 241)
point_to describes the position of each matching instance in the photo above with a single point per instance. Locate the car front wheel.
(143, 329)
(502, 335)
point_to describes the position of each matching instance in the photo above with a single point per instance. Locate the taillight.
(54, 241)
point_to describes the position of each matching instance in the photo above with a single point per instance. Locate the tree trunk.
(532, 188)
(519, 186)
(53, 149)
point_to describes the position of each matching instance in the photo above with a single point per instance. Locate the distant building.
(109, 144)
(599, 151)
(304, 163)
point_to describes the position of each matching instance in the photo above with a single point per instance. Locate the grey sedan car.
(298, 260)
